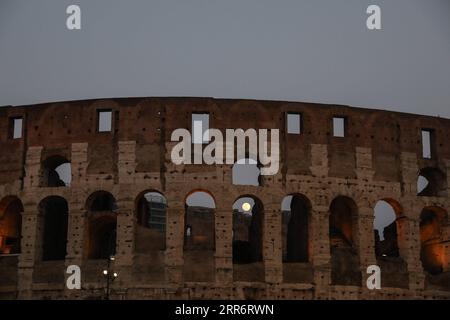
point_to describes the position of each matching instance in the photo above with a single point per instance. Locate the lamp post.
(110, 276)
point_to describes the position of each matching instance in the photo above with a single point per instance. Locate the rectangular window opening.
(426, 143)
(15, 128)
(104, 120)
(200, 124)
(294, 123)
(338, 127)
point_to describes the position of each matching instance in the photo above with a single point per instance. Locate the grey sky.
(315, 50)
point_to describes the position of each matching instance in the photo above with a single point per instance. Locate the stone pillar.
(32, 168)
(409, 174)
(319, 160)
(75, 241)
(446, 248)
(272, 244)
(30, 249)
(366, 243)
(320, 250)
(224, 245)
(79, 163)
(364, 170)
(125, 241)
(126, 161)
(174, 242)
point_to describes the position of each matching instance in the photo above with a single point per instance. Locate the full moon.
(246, 206)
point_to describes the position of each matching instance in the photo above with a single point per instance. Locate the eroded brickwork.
(379, 158)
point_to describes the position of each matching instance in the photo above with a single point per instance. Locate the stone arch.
(432, 254)
(101, 225)
(435, 182)
(11, 209)
(296, 209)
(54, 212)
(296, 221)
(199, 236)
(56, 172)
(248, 235)
(343, 233)
(391, 242)
(151, 220)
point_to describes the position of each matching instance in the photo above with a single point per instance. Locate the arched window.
(56, 172)
(432, 254)
(54, 211)
(11, 209)
(385, 228)
(432, 182)
(151, 222)
(296, 214)
(102, 225)
(199, 237)
(248, 230)
(343, 229)
(199, 221)
(390, 235)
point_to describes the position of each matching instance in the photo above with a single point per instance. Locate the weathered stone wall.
(379, 158)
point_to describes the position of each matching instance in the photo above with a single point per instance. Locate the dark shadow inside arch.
(248, 228)
(101, 226)
(54, 211)
(296, 210)
(435, 182)
(56, 172)
(150, 237)
(343, 227)
(11, 209)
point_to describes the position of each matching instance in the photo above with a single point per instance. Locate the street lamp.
(110, 276)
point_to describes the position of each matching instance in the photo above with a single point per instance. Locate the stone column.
(446, 247)
(32, 168)
(79, 163)
(174, 242)
(410, 246)
(366, 243)
(126, 161)
(320, 250)
(30, 249)
(75, 240)
(125, 241)
(224, 245)
(272, 244)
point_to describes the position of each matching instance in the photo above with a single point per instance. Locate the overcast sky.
(315, 50)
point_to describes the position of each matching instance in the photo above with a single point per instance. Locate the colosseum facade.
(167, 249)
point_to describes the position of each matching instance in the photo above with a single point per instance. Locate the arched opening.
(11, 209)
(343, 231)
(151, 222)
(56, 172)
(385, 229)
(199, 236)
(388, 229)
(248, 228)
(296, 210)
(432, 255)
(54, 211)
(246, 172)
(432, 182)
(102, 225)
